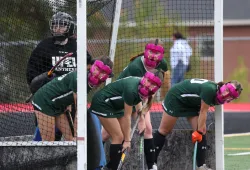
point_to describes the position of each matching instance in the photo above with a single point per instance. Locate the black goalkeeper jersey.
(46, 55)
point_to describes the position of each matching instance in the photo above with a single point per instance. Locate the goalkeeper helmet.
(62, 26)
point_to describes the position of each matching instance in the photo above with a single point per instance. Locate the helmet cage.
(59, 24)
(231, 95)
(62, 20)
(152, 60)
(95, 79)
(146, 91)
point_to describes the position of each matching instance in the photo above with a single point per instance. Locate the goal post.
(218, 76)
(115, 28)
(81, 82)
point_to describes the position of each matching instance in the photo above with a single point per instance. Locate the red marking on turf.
(156, 107)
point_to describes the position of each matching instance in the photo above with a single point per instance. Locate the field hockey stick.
(131, 136)
(57, 63)
(28, 99)
(194, 155)
(141, 151)
(71, 122)
(51, 72)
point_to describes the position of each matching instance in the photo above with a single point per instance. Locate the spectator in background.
(180, 54)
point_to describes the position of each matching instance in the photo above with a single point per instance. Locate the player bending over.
(113, 105)
(52, 100)
(192, 98)
(151, 60)
(99, 71)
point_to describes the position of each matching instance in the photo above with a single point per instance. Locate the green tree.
(68, 6)
(20, 22)
(240, 73)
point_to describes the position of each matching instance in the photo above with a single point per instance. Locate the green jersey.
(186, 97)
(109, 101)
(54, 97)
(137, 68)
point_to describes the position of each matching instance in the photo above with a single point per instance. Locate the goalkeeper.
(192, 98)
(49, 51)
(110, 102)
(152, 59)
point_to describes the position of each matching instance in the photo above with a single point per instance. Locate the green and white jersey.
(137, 68)
(184, 98)
(57, 94)
(190, 92)
(109, 101)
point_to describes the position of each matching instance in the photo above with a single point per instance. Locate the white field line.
(237, 134)
(239, 154)
(237, 149)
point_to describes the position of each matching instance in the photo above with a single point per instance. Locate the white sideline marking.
(237, 134)
(40, 143)
(239, 154)
(237, 149)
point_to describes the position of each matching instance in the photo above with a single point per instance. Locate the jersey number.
(199, 81)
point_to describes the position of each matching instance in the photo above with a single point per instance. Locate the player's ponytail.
(238, 85)
(148, 104)
(220, 84)
(107, 61)
(134, 57)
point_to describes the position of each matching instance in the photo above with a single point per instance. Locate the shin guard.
(159, 141)
(149, 150)
(115, 156)
(201, 151)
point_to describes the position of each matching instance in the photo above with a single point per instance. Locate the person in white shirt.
(180, 54)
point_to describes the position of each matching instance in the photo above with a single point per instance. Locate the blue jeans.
(96, 156)
(37, 135)
(178, 73)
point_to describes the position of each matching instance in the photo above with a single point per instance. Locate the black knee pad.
(149, 150)
(159, 141)
(201, 151)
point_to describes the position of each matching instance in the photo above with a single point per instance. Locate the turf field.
(237, 152)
